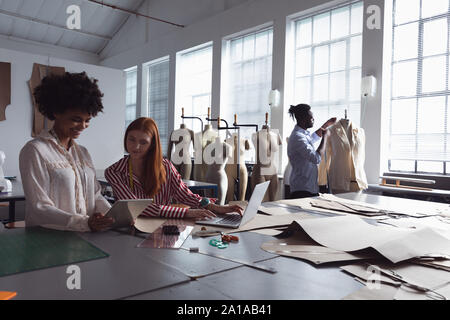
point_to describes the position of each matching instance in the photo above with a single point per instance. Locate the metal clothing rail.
(198, 118)
(227, 127)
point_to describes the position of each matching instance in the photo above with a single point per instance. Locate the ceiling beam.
(120, 27)
(42, 22)
(134, 12)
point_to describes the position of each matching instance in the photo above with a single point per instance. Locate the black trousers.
(302, 194)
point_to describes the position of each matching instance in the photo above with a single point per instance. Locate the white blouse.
(60, 187)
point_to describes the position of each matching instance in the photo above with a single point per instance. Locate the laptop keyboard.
(230, 219)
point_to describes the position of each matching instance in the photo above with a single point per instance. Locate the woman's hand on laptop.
(98, 222)
(225, 209)
(199, 214)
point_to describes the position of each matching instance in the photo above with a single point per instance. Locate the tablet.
(125, 212)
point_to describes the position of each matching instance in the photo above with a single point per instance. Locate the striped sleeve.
(178, 188)
(115, 177)
(157, 210)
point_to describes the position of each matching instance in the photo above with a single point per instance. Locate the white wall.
(103, 138)
(44, 49)
(248, 15)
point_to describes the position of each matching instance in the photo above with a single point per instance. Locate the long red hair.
(154, 170)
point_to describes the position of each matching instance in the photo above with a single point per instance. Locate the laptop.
(235, 220)
(125, 212)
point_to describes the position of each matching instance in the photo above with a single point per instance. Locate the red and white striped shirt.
(174, 188)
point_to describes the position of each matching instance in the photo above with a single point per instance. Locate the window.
(158, 97)
(327, 63)
(193, 87)
(131, 95)
(419, 121)
(247, 80)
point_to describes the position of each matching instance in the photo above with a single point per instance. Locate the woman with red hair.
(145, 174)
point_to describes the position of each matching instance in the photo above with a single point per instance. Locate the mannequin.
(231, 167)
(5, 184)
(267, 143)
(181, 158)
(215, 172)
(202, 140)
(345, 156)
(5, 88)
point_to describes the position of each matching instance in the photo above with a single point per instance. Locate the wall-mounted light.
(368, 86)
(274, 98)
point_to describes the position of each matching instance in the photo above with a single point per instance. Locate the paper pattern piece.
(350, 233)
(411, 282)
(40, 72)
(305, 249)
(5, 88)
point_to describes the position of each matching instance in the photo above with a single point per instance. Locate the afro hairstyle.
(69, 92)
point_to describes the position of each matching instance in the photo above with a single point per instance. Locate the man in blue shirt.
(303, 157)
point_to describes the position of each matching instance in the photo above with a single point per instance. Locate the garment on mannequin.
(215, 172)
(267, 144)
(345, 156)
(5, 88)
(231, 167)
(201, 141)
(181, 140)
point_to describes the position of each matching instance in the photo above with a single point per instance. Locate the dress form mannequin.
(215, 172)
(345, 156)
(231, 167)
(202, 140)
(267, 143)
(181, 158)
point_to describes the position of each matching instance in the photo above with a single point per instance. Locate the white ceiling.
(44, 21)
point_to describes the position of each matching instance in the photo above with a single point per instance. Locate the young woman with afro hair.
(57, 174)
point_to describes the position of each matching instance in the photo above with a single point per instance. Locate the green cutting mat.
(35, 248)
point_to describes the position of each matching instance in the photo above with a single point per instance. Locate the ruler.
(246, 263)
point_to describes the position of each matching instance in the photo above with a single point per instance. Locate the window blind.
(328, 56)
(158, 97)
(194, 85)
(249, 79)
(419, 122)
(131, 95)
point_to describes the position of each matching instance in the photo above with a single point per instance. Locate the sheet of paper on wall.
(39, 72)
(351, 233)
(5, 88)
